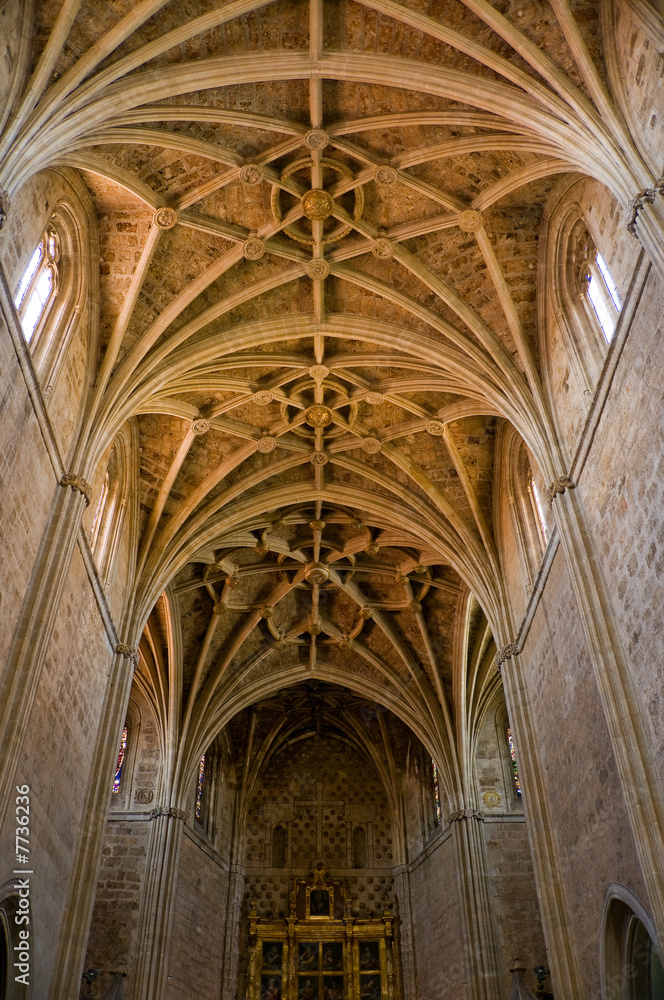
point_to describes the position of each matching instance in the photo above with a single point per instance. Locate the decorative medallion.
(318, 416)
(263, 397)
(200, 426)
(252, 174)
(374, 397)
(165, 218)
(318, 458)
(317, 573)
(469, 221)
(415, 607)
(314, 628)
(371, 445)
(491, 798)
(219, 608)
(267, 613)
(435, 428)
(386, 175)
(366, 613)
(317, 139)
(318, 268)
(316, 525)
(253, 248)
(266, 445)
(382, 248)
(319, 372)
(372, 549)
(317, 204)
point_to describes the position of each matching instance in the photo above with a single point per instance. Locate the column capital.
(559, 485)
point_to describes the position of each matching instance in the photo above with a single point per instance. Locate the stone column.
(476, 909)
(80, 901)
(407, 949)
(156, 916)
(233, 917)
(541, 831)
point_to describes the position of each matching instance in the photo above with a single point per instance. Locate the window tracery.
(436, 792)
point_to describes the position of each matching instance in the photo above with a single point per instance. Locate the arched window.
(39, 284)
(360, 847)
(631, 966)
(597, 284)
(436, 792)
(538, 507)
(122, 753)
(515, 766)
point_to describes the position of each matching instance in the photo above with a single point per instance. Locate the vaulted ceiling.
(318, 236)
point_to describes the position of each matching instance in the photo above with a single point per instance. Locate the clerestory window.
(39, 285)
(601, 290)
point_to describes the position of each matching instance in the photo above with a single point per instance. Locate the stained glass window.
(121, 758)
(436, 790)
(199, 788)
(515, 766)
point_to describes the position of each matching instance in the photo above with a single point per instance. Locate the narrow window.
(359, 847)
(38, 285)
(436, 791)
(199, 789)
(279, 847)
(539, 509)
(515, 766)
(602, 292)
(121, 759)
(99, 513)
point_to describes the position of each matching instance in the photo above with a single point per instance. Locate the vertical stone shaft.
(476, 910)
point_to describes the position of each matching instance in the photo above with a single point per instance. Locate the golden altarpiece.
(320, 951)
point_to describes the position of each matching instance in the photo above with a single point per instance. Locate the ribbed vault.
(318, 302)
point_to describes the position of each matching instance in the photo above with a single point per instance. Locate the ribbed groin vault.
(327, 498)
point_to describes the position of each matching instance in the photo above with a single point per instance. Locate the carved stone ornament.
(491, 798)
(317, 139)
(317, 573)
(263, 397)
(318, 416)
(266, 445)
(559, 485)
(317, 525)
(78, 485)
(144, 796)
(366, 613)
(386, 175)
(200, 426)
(122, 649)
(372, 549)
(253, 248)
(318, 268)
(314, 628)
(382, 248)
(319, 372)
(374, 398)
(318, 458)
(219, 608)
(511, 649)
(170, 811)
(252, 174)
(165, 218)
(317, 205)
(415, 607)
(642, 199)
(371, 446)
(267, 613)
(435, 428)
(466, 814)
(469, 221)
